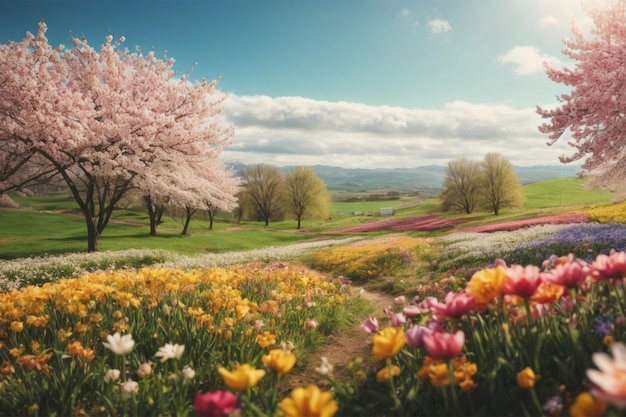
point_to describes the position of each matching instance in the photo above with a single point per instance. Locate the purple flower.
(398, 320)
(370, 325)
(415, 336)
(553, 406)
(602, 326)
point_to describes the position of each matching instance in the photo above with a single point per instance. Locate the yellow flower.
(17, 326)
(383, 374)
(586, 405)
(486, 284)
(243, 377)
(279, 360)
(266, 339)
(526, 378)
(388, 342)
(309, 402)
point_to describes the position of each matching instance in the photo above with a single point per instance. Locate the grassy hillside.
(563, 192)
(50, 225)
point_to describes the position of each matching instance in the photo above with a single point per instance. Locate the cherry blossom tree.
(107, 120)
(591, 115)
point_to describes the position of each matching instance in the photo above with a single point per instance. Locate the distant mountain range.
(422, 178)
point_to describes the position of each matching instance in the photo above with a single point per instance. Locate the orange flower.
(486, 284)
(6, 368)
(17, 326)
(383, 374)
(547, 293)
(32, 362)
(586, 405)
(526, 378)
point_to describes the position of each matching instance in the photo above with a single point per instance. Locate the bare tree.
(264, 185)
(461, 186)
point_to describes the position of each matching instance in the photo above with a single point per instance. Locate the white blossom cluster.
(18, 273)
(461, 246)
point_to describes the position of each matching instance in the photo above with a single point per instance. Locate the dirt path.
(340, 350)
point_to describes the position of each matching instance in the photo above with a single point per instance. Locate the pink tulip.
(215, 404)
(521, 281)
(412, 310)
(611, 266)
(570, 273)
(441, 345)
(398, 320)
(415, 336)
(370, 325)
(456, 305)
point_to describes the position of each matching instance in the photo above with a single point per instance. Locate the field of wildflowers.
(427, 222)
(146, 342)
(613, 213)
(516, 340)
(535, 327)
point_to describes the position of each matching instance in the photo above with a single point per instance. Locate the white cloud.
(548, 21)
(404, 12)
(439, 26)
(527, 60)
(299, 131)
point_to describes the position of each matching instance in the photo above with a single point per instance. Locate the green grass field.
(49, 225)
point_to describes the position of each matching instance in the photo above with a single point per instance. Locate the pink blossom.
(412, 310)
(456, 305)
(608, 379)
(415, 336)
(398, 320)
(569, 272)
(370, 325)
(399, 300)
(442, 345)
(215, 404)
(611, 266)
(521, 281)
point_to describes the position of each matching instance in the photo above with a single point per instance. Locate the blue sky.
(353, 83)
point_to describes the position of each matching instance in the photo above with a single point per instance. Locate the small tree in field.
(591, 115)
(499, 185)
(306, 194)
(104, 121)
(263, 185)
(461, 188)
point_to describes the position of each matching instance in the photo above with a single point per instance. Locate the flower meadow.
(146, 342)
(519, 335)
(515, 340)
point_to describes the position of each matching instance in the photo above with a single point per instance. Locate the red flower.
(215, 404)
(441, 345)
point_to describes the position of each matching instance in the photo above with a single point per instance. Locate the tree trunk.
(151, 215)
(92, 235)
(298, 223)
(211, 213)
(188, 214)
